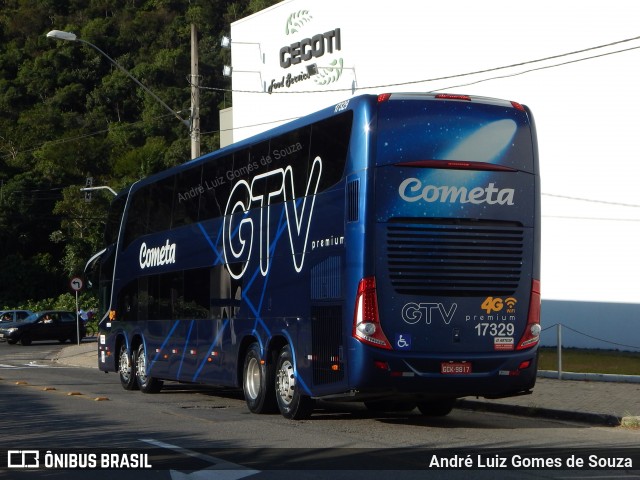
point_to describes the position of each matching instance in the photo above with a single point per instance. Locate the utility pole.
(195, 95)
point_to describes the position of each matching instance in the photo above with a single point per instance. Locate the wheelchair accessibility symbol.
(403, 341)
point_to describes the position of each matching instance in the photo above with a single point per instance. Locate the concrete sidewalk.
(600, 402)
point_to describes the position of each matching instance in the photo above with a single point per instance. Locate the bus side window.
(292, 149)
(186, 197)
(225, 293)
(128, 303)
(216, 186)
(160, 205)
(330, 141)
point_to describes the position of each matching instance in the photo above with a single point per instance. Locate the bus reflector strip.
(449, 96)
(403, 374)
(456, 165)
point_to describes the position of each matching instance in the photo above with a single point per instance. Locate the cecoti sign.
(309, 48)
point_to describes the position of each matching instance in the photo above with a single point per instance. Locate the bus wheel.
(436, 408)
(291, 402)
(257, 382)
(126, 369)
(146, 383)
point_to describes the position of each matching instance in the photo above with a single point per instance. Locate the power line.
(567, 197)
(598, 219)
(538, 68)
(80, 137)
(460, 75)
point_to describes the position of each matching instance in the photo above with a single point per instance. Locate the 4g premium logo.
(497, 310)
(496, 304)
(498, 323)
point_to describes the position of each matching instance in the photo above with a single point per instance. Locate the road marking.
(219, 470)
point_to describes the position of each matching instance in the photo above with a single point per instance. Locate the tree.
(67, 113)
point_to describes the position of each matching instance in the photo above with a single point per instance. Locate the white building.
(573, 63)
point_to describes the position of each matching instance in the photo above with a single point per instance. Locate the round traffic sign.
(76, 284)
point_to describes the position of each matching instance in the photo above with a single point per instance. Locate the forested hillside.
(67, 113)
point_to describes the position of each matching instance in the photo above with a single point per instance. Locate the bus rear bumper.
(436, 377)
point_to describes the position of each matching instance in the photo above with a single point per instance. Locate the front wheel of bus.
(291, 402)
(257, 382)
(146, 383)
(436, 408)
(126, 369)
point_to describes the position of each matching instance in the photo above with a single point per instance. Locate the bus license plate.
(455, 368)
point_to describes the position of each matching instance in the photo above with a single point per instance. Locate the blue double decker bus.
(383, 250)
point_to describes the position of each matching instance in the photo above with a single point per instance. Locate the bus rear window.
(416, 130)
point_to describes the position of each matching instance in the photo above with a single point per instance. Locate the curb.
(522, 411)
(592, 377)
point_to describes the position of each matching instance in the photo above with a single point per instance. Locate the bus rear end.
(452, 305)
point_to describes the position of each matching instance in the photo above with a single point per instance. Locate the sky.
(586, 109)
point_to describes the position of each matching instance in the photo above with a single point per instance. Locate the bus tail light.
(366, 320)
(531, 335)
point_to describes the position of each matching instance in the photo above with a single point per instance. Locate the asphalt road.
(201, 432)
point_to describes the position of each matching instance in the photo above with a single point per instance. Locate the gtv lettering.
(239, 231)
(413, 313)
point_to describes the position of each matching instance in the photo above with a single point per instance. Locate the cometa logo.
(157, 256)
(412, 190)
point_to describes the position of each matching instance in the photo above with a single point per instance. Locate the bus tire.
(126, 369)
(436, 408)
(291, 402)
(146, 383)
(258, 382)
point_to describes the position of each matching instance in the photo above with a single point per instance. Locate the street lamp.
(225, 42)
(101, 187)
(193, 132)
(227, 71)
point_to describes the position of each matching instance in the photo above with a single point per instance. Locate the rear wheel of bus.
(291, 402)
(126, 369)
(146, 383)
(258, 381)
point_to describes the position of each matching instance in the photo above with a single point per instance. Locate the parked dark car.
(14, 315)
(45, 325)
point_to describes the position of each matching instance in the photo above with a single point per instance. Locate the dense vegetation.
(66, 113)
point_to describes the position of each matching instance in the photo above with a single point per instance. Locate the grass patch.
(590, 361)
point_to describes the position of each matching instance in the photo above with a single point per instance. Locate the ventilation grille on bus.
(326, 347)
(326, 279)
(455, 258)
(353, 200)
